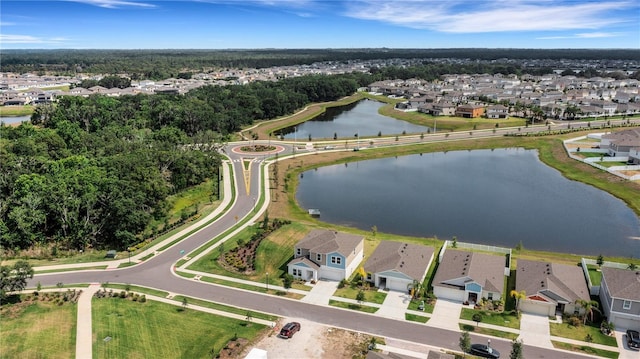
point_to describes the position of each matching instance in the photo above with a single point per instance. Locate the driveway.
(534, 330)
(394, 305)
(625, 352)
(321, 292)
(446, 315)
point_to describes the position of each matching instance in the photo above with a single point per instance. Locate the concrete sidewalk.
(84, 332)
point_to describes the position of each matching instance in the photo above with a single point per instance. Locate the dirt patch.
(313, 341)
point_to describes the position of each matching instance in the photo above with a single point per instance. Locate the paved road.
(157, 273)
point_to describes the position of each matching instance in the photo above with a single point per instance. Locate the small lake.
(9, 120)
(360, 117)
(500, 197)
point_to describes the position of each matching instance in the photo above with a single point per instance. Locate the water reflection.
(358, 118)
(500, 197)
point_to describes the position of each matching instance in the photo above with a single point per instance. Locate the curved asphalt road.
(157, 273)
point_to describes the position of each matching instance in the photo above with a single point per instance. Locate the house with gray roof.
(620, 143)
(326, 254)
(550, 288)
(469, 276)
(396, 265)
(620, 297)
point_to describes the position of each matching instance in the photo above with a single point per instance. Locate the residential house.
(397, 265)
(469, 276)
(620, 143)
(498, 111)
(550, 287)
(469, 111)
(325, 254)
(443, 108)
(620, 297)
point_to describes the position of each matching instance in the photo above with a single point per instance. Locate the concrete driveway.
(534, 330)
(446, 315)
(625, 352)
(321, 292)
(394, 305)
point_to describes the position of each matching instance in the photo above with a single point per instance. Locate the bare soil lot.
(313, 341)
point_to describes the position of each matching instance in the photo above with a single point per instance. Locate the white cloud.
(586, 35)
(479, 16)
(28, 39)
(114, 4)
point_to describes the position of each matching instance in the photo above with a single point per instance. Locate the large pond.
(499, 197)
(360, 117)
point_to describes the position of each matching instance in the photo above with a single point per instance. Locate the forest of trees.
(162, 64)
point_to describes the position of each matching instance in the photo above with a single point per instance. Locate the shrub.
(574, 321)
(142, 299)
(342, 283)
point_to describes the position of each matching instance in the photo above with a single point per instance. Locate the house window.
(490, 296)
(297, 272)
(369, 276)
(298, 251)
(336, 260)
(626, 305)
(318, 257)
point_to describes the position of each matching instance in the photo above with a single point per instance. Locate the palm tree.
(589, 307)
(518, 296)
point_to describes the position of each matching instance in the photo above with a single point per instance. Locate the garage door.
(624, 324)
(397, 284)
(331, 274)
(449, 293)
(534, 308)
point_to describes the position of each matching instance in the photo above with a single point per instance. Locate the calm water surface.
(499, 197)
(15, 119)
(361, 118)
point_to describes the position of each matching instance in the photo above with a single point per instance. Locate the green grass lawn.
(594, 275)
(565, 330)
(502, 319)
(488, 331)
(352, 306)
(16, 110)
(224, 308)
(415, 318)
(428, 308)
(38, 330)
(158, 330)
(371, 296)
(585, 349)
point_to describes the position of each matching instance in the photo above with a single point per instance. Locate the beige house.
(550, 288)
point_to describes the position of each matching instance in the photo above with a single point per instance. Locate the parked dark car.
(289, 330)
(484, 351)
(633, 339)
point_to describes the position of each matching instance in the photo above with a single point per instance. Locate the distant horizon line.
(331, 48)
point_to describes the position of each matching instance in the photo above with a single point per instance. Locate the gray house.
(620, 297)
(396, 265)
(469, 276)
(550, 287)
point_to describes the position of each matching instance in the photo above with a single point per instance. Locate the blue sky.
(246, 24)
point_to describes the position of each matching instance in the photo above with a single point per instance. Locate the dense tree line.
(97, 186)
(162, 64)
(107, 82)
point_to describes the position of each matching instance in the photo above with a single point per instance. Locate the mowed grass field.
(38, 330)
(159, 330)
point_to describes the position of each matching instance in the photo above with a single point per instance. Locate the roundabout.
(257, 149)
